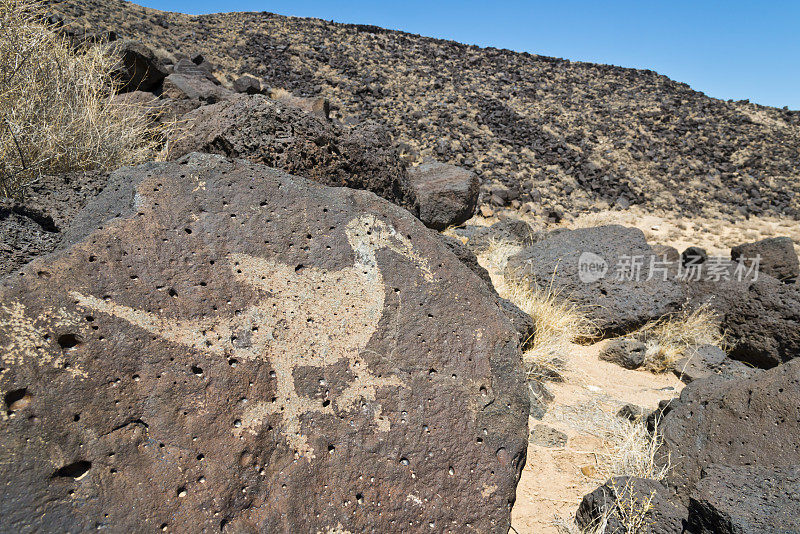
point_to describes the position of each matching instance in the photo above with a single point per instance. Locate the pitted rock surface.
(303, 144)
(227, 347)
(760, 314)
(736, 422)
(746, 500)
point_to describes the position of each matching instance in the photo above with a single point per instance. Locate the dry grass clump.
(632, 451)
(56, 109)
(630, 510)
(669, 337)
(559, 322)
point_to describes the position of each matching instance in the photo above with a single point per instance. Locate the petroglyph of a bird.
(309, 317)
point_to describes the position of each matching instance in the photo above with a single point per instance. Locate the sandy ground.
(717, 236)
(555, 479)
(558, 475)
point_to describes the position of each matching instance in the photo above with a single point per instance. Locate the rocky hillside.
(544, 134)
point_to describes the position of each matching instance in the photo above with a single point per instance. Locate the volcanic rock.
(635, 496)
(746, 421)
(247, 84)
(760, 314)
(746, 500)
(220, 338)
(694, 256)
(264, 131)
(776, 257)
(197, 89)
(35, 227)
(447, 195)
(709, 360)
(627, 136)
(138, 68)
(506, 231)
(606, 270)
(625, 352)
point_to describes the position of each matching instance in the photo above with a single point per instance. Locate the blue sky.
(732, 49)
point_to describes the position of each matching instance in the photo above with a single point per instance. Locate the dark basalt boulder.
(776, 257)
(694, 256)
(468, 258)
(225, 347)
(447, 195)
(34, 226)
(265, 131)
(248, 84)
(195, 68)
(736, 422)
(625, 352)
(625, 499)
(522, 322)
(746, 500)
(606, 271)
(138, 68)
(760, 314)
(704, 361)
(196, 89)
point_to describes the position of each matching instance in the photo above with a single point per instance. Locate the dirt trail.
(556, 478)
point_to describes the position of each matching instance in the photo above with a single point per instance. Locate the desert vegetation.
(57, 108)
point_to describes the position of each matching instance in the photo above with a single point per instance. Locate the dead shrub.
(56, 105)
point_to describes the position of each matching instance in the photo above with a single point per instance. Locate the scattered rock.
(694, 256)
(446, 195)
(516, 231)
(187, 357)
(547, 138)
(191, 69)
(746, 421)
(777, 257)
(625, 352)
(320, 107)
(195, 89)
(264, 131)
(763, 321)
(631, 412)
(666, 253)
(545, 436)
(508, 231)
(746, 500)
(138, 69)
(760, 314)
(623, 499)
(247, 84)
(594, 266)
(709, 360)
(539, 397)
